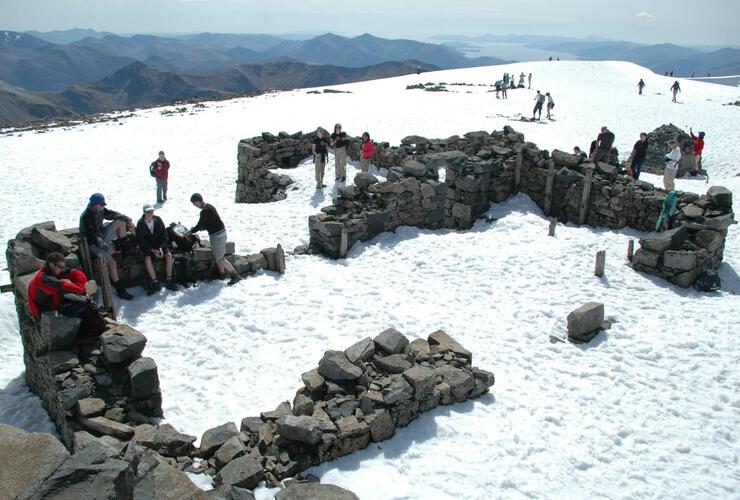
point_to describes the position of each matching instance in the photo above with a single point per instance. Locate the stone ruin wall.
(482, 168)
(105, 400)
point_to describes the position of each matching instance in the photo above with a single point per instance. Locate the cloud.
(645, 15)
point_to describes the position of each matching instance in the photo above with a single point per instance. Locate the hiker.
(211, 222)
(539, 101)
(521, 79)
(580, 154)
(603, 146)
(47, 289)
(671, 74)
(506, 80)
(151, 237)
(159, 169)
(368, 151)
(105, 239)
(640, 86)
(639, 153)
(504, 86)
(320, 153)
(497, 85)
(339, 141)
(697, 149)
(671, 165)
(675, 88)
(550, 105)
(529, 81)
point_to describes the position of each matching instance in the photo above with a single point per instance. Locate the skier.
(640, 86)
(639, 153)
(550, 105)
(539, 100)
(697, 149)
(671, 165)
(675, 88)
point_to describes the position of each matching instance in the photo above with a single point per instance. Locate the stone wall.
(481, 168)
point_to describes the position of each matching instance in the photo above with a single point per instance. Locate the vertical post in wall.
(518, 170)
(553, 225)
(630, 250)
(106, 287)
(549, 185)
(85, 256)
(343, 243)
(585, 196)
(600, 263)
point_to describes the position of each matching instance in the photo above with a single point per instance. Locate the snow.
(652, 399)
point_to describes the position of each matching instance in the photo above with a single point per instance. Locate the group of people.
(675, 88)
(539, 101)
(338, 141)
(508, 82)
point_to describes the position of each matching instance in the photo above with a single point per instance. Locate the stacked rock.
(657, 149)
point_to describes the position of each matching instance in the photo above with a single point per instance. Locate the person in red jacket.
(160, 171)
(47, 289)
(368, 151)
(697, 150)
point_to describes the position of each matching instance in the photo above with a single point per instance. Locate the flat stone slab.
(303, 428)
(243, 472)
(445, 344)
(422, 379)
(165, 482)
(360, 351)
(395, 363)
(667, 240)
(122, 343)
(314, 491)
(103, 425)
(585, 320)
(335, 366)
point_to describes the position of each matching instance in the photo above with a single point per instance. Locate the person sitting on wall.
(100, 236)
(151, 236)
(580, 154)
(47, 289)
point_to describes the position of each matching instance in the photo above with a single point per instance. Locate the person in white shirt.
(550, 105)
(671, 165)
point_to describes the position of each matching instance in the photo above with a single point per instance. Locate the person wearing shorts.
(210, 221)
(671, 165)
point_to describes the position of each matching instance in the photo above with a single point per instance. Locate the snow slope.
(654, 399)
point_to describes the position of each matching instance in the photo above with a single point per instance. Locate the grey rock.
(692, 211)
(35, 457)
(395, 363)
(381, 425)
(302, 428)
(51, 241)
(686, 278)
(165, 439)
(360, 351)
(645, 258)
(63, 361)
(414, 168)
(231, 449)
(227, 492)
(667, 240)
(720, 196)
(103, 425)
(335, 365)
(26, 232)
(461, 383)
(215, 437)
(144, 378)
(84, 438)
(398, 391)
(422, 379)
(419, 347)
(167, 483)
(90, 407)
(445, 344)
(314, 491)
(719, 223)
(122, 343)
(60, 330)
(391, 341)
(243, 472)
(282, 410)
(606, 169)
(680, 259)
(251, 425)
(302, 405)
(363, 180)
(586, 320)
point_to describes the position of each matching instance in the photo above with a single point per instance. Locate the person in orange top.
(367, 152)
(697, 150)
(47, 288)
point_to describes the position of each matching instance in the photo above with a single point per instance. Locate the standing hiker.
(640, 86)
(639, 153)
(529, 81)
(675, 88)
(497, 85)
(320, 153)
(503, 91)
(671, 165)
(539, 100)
(210, 221)
(603, 146)
(159, 169)
(521, 80)
(550, 105)
(105, 238)
(368, 150)
(339, 141)
(697, 149)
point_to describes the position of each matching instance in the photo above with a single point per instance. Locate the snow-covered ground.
(649, 409)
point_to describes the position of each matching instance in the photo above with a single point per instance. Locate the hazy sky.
(694, 22)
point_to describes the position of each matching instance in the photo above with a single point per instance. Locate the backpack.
(180, 270)
(151, 170)
(178, 242)
(708, 281)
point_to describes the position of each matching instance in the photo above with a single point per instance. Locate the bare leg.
(225, 266)
(150, 267)
(168, 260)
(113, 270)
(120, 227)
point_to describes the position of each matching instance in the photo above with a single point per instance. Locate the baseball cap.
(147, 207)
(97, 199)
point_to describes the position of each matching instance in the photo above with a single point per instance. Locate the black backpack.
(181, 272)
(151, 170)
(708, 281)
(178, 242)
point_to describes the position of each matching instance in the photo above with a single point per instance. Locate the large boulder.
(58, 331)
(122, 343)
(314, 491)
(51, 241)
(422, 379)
(391, 341)
(584, 323)
(360, 351)
(29, 459)
(335, 366)
(363, 180)
(720, 196)
(165, 440)
(144, 378)
(461, 382)
(231, 449)
(228, 492)
(667, 240)
(102, 425)
(302, 428)
(167, 483)
(244, 472)
(395, 363)
(445, 344)
(215, 437)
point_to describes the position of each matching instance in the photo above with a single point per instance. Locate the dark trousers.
(161, 190)
(601, 155)
(637, 168)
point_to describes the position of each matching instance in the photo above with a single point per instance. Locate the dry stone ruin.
(482, 167)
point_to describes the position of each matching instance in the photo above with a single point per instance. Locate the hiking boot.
(235, 278)
(170, 284)
(121, 291)
(153, 287)
(694, 173)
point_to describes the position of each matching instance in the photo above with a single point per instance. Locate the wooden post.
(630, 250)
(549, 185)
(280, 258)
(106, 287)
(85, 256)
(553, 225)
(585, 196)
(600, 263)
(343, 243)
(518, 170)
